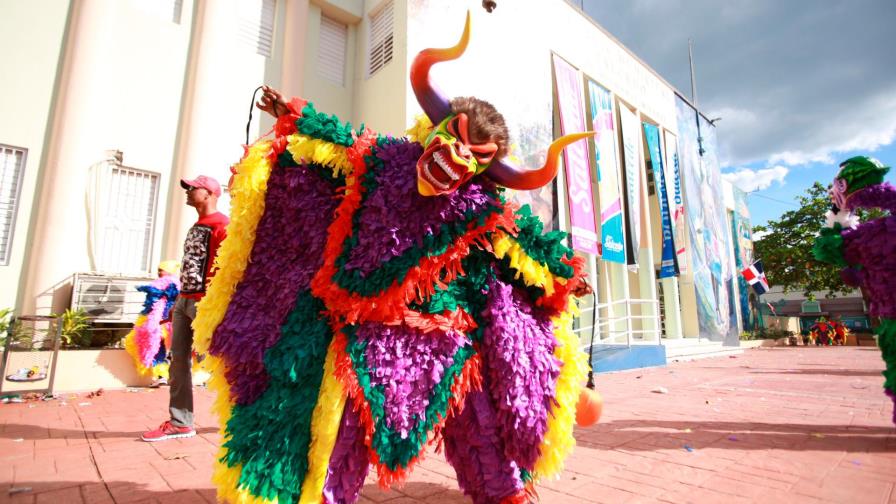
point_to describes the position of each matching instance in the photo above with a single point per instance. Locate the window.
(128, 221)
(331, 50)
(256, 24)
(380, 48)
(12, 164)
(168, 10)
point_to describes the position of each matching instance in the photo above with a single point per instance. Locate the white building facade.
(114, 101)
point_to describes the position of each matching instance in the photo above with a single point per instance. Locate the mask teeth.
(446, 166)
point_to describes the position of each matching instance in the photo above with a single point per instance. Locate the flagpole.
(759, 310)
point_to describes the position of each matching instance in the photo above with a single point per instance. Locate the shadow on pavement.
(421, 491)
(104, 492)
(23, 431)
(822, 371)
(650, 435)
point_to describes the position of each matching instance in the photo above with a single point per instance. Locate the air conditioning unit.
(108, 298)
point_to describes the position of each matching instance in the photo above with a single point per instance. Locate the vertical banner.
(667, 266)
(743, 251)
(631, 154)
(611, 232)
(578, 176)
(676, 203)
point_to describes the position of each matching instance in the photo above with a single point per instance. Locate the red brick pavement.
(787, 425)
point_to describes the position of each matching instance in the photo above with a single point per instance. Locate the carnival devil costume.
(148, 342)
(379, 294)
(866, 251)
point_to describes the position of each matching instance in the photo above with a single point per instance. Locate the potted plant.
(75, 328)
(5, 315)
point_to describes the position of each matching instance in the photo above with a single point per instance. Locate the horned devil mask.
(467, 143)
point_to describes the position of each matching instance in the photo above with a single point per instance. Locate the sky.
(799, 85)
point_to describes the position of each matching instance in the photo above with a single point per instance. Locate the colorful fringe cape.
(354, 322)
(867, 254)
(150, 337)
(828, 332)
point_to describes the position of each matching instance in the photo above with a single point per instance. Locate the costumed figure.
(821, 333)
(378, 294)
(148, 342)
(866, 251)
(841, 332)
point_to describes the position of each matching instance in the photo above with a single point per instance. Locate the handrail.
(611, 320)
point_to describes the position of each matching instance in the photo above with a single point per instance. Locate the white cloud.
(784, 99)
(754, 180)
(758, 235)
(868, 140)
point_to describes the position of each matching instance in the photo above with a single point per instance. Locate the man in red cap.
(200, 249)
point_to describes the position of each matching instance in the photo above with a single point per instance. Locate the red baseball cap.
(204, 182)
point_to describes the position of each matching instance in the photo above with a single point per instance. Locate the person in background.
(150, 339)
(200, 249)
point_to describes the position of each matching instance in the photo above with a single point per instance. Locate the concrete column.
(59, 246)
(672, 307)
(180, 217)
(293, 61)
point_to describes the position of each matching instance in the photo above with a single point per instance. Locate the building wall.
(30, 77)
(172, 97)
(121, 78)
(380, 99)
(223, 72)
(169, 92)
(327, 96)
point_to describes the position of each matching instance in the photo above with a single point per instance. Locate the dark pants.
(180, 376)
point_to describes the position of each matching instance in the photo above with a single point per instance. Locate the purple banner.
(578, 178)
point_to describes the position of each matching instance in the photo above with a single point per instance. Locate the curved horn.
(512, 177)
(429, 96)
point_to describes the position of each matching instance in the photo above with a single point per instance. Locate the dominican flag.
(756, 277)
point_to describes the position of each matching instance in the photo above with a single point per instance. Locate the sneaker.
(158, 382)
(168, 431)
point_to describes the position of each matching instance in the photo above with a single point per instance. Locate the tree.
(786, 247)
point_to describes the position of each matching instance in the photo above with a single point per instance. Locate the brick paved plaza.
(773, 425)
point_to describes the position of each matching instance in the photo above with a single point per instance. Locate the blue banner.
(612, 239)
(652, 134)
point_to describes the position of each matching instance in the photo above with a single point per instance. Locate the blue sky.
(800, 85)
(780, 196)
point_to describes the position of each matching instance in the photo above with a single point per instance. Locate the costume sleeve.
(881, 196)
(851, 276)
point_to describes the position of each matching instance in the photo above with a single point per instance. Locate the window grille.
(128, 221)
(169, 10)
(381, 35)
(256, 24)
(331, 50)
(12, 164)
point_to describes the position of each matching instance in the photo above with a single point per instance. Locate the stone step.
(686, 349)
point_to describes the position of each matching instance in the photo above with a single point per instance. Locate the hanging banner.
(578, 178)
(631, 155)
(676, 203)
(667, 266)
(742, 239)
(611, 232)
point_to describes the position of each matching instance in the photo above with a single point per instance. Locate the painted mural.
(707, 226)
(742, 236)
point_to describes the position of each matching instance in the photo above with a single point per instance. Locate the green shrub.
(75, 328)
(5, 316)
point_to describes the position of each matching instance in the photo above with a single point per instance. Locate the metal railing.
(628, 321)
(30, 353)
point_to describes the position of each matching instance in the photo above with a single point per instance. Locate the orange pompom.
(589, 407)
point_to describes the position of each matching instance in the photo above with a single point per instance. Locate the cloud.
(794, 82)
(755, 180)
(758, 235)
